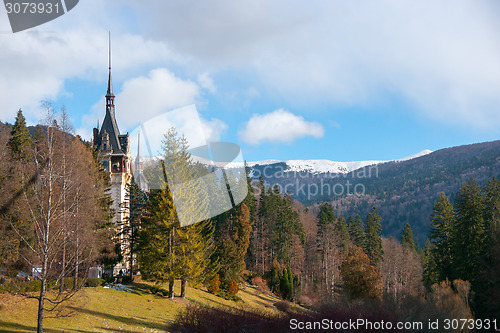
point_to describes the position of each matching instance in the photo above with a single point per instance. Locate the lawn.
(106, 310)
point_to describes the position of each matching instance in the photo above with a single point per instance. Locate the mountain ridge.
(329, 166)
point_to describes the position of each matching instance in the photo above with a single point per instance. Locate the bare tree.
(401, 271)
(63, 194)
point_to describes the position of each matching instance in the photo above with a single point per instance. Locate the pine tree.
(492, 210)
(407, 238)
(356, 232)
(440, 252)
(157, 239)
(487, 294)
(20, 141)
(170, 250)
(373, 245)
(232, 236)
(343, 232)
(469, 238)
(129, 233)
(431, 271)
(277, 211)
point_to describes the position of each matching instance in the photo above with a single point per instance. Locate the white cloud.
(145, 97)
(213, 128)
(279, 126)
(206, 82)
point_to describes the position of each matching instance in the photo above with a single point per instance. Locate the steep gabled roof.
(109, 125)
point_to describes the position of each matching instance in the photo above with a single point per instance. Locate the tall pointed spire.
(109, 94)
(109, 123)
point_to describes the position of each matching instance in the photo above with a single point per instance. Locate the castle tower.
(114, 154)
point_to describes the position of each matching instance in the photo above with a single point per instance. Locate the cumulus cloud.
(206, 82)
(213, 129)
(143, 98)
(278, 126)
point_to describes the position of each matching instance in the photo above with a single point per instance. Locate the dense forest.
(55, 215)
(404, 192)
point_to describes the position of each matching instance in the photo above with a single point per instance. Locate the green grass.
(107, 310)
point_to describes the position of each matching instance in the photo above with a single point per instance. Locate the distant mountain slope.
(404, 191)
(325, 166)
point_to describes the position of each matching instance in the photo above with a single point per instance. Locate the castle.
(114, 154)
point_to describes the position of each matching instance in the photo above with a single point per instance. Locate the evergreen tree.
(492, 209)
(232, 238)
(135, 200)
(277, 210)
(356, 232)
(157, 239)
(168, 249)
(343, 232)
(407, 238)
(20, 141)
(487, 294)
(440, 261)
(431, 271)
(468, 232)
(373, 245)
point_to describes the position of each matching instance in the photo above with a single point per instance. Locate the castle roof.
(109, 124)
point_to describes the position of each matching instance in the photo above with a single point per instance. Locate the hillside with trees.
(403, 192)
(330, 258)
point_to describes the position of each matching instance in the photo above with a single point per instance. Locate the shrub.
(154, 289)
(164, 292)
(224, 294)
(108, 279)
(126, 279)
(261, 284)
(94, 282)
(233, 288)
(283, 306)
(214, 285)
(31, 286)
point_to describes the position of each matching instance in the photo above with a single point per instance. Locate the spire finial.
(109, 94)
(109, 50)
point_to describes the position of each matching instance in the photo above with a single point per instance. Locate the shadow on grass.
(165, 325)
(7, 327)
(141, 287)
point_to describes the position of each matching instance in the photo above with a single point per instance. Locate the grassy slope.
(108, 310)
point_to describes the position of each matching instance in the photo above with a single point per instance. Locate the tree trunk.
(63, 266)
(41, 298)
(77, 243)
(40, 308)
(171, 289)
(183, 287)
(132, 259)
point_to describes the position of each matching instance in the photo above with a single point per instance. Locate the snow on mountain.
(420, 153)
(325, 166)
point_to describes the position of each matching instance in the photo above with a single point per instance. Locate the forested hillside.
(403, 191)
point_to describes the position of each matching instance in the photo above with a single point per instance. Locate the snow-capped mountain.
(327, 166)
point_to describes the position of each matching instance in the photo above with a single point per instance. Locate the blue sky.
(338, 80)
